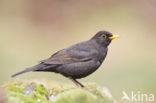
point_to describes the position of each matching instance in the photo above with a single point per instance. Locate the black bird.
(77, 61)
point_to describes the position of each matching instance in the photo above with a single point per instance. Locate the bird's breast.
(102, 54)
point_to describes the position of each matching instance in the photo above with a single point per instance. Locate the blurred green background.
(32, 30)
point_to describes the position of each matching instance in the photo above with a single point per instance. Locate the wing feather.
(64, 58)
(77, 53)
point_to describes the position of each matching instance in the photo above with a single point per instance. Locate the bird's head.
(104, 37)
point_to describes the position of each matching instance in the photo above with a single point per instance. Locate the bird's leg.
(76, 82)
(81, 85)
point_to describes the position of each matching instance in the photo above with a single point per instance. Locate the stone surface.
(33, 91)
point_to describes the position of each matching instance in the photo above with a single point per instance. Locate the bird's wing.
(77, 53)
(64, 58)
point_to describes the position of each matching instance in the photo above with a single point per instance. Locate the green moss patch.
(38, 92)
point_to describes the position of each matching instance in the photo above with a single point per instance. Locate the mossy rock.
(33, 91)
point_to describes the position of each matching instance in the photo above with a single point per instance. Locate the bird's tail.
(34, 68)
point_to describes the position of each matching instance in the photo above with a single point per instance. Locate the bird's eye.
(104, 36)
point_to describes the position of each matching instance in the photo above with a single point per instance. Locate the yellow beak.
(114, 37)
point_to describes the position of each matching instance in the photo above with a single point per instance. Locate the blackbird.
(77, 61)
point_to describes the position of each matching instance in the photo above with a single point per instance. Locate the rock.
(33, 91)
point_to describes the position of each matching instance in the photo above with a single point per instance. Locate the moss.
(41, 92)
(75, 96)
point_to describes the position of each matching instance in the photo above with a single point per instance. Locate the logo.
(137, 97)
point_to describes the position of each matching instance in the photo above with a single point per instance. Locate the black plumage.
(77, 61)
